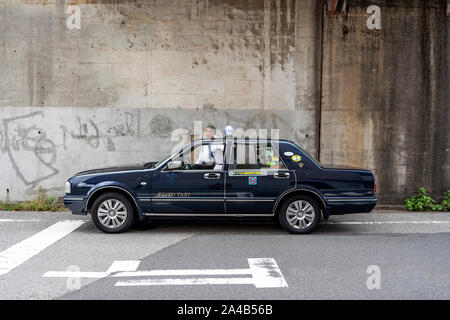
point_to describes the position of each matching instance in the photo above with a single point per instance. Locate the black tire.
(98, 215)
(308, 223)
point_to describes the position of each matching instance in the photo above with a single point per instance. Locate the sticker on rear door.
(252, 181)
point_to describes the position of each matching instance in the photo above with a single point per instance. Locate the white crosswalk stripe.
(17, 254)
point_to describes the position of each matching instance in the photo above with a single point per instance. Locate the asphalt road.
(404, 256)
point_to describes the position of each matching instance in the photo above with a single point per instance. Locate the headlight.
(67, 187)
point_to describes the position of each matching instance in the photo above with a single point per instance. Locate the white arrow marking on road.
(146, 273)
(185, 272)
(264, 273)
(118, 266)
(19, 220)
(76, 274)
(124, 265)
(186, 281)
(19, 253)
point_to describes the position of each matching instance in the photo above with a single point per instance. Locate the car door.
(256, 177)
(191, 189)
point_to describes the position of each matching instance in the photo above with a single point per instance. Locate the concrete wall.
(385, 92)
(114, 91)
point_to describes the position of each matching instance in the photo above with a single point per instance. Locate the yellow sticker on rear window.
(296, 158)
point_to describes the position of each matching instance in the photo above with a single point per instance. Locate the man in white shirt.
(211, 153)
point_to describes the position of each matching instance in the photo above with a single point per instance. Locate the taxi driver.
(211, 153)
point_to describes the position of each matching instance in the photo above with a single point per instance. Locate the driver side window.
(206, 156)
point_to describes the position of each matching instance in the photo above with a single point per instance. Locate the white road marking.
(116, 266)
(390, 222)
(20, 220)
(147, 273)
(185, 272)
(186, 281)
(75, 274)
(264, 273)
(24, 250)
(124, 265)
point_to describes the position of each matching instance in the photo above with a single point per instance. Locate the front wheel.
(112, 213)
(299, 214)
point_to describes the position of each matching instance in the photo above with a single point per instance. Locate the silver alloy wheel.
(112, 213)
(300, 214)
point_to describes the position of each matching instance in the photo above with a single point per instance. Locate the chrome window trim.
(199, 170)
(189, 146)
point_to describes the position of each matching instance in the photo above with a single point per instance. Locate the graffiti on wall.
(17, 135)
(32, 146)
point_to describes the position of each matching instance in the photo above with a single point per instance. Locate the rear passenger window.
(255, 156)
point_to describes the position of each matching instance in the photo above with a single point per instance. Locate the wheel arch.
(105, 189)
(290, 193)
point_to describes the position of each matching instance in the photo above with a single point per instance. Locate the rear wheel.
(299, 214)
(112, 213)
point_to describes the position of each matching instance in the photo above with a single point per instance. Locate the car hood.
(129, 167)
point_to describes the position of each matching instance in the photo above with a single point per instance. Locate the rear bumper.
(351, 205)
(75, 204)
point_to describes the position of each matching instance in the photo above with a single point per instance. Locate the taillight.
(375, 188)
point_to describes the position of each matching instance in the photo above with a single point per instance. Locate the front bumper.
(76, 204)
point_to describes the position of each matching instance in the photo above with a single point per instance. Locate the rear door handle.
(281, 175)
(211, 175)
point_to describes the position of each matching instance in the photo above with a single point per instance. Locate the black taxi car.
(253, 179)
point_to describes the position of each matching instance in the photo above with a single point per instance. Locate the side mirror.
(174, 165)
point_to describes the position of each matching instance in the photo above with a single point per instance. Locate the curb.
(390, 207)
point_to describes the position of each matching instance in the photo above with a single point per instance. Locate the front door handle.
(211, 175)
(281, 175)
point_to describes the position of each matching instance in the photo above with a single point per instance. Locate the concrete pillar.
(308, 42)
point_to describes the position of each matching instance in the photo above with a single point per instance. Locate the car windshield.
(156, 164)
